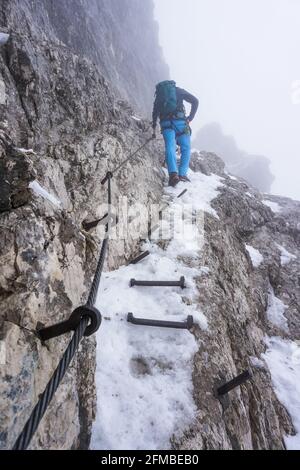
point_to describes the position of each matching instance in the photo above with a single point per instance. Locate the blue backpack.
(166, 97)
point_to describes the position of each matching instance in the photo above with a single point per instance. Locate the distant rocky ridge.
(253, 168)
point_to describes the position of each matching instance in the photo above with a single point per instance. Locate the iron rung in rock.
(140, 257)
(187, 325)
(87, 226)
(182, 194)
(180, 283)
(234, 383)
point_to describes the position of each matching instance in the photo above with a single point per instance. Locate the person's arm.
(155, 116)
(186, 96)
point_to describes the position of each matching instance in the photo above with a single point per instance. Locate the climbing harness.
(186, 131)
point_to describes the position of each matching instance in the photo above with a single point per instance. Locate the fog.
(241, 58)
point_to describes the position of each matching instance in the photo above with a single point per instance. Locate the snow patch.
(256, 257)
(4, 37)
(275, 311)
(201, 192)
(257, 363)
(2, 92)
(283, 360)
(274, 206)
(136, 118)
(286, 257)
(144, 374)
(40, 191)
(26, 151)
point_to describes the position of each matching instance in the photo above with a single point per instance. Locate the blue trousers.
(171, 132)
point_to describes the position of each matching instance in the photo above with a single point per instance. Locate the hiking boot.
(173, 180)
(184, 179)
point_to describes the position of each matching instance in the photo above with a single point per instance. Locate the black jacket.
(182, 95)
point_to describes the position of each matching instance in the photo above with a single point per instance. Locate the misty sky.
(242, 59)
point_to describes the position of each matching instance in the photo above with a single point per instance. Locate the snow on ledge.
(257, 363)
(283, 359)
(4, 37)
(201, 192)
(256, 257)
(275, 311)
(40, 191)
(25, 151)
(286, 257)
(136, 118)
(274, 206)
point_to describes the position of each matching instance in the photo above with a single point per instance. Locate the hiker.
(175, 128)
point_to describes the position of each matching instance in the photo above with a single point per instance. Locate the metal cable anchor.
(72, 323)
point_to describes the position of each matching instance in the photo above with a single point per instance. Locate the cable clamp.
(85, 311)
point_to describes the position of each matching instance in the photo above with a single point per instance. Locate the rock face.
(234, 297)
(56, 102)
(128, 37)
(253, 168)
(119, 36)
